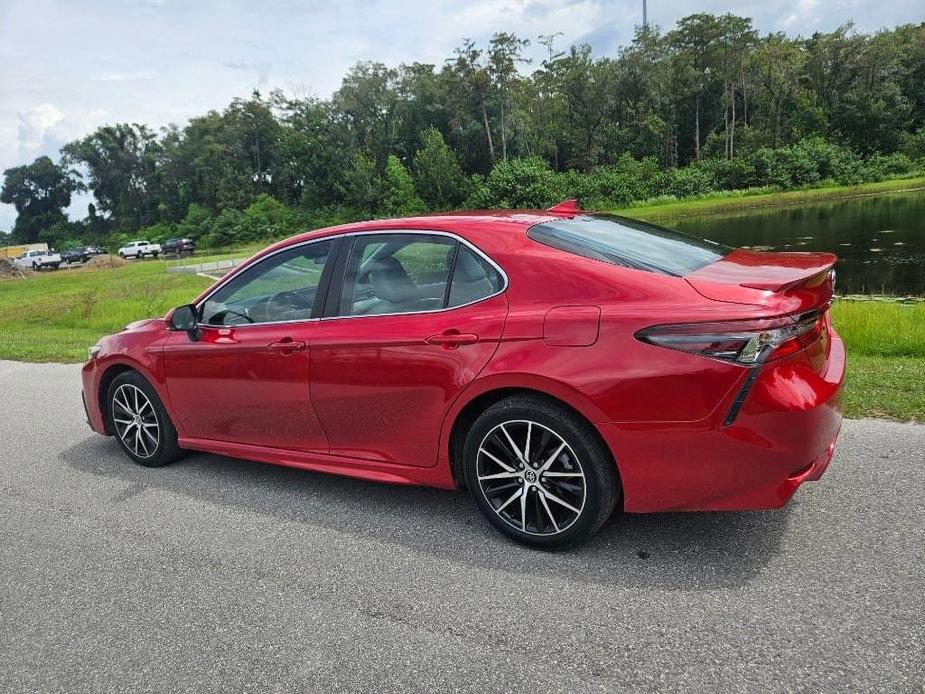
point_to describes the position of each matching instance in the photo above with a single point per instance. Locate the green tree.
(121, 165)
(438, 177)
(399, 196)
(39, 191)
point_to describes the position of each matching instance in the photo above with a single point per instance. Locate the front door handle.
(452, 339)
(287, 345)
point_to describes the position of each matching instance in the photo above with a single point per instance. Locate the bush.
(625, 182)
(223, 229)
(913, 146)
(690, 180)
(399, 198)
(438, 177)
(881, 166)
(526, 182)
(264, 219)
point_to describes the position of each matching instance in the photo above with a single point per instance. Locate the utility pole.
(645, 18)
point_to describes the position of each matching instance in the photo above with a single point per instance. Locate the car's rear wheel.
(137, 418)
(539, 472)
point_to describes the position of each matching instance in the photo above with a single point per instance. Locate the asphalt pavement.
(217, 575)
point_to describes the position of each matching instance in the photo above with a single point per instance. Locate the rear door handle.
(453, 339)
(287, 345)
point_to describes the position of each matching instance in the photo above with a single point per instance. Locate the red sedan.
(557, 364)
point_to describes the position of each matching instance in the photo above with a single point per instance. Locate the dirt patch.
(9, 268)
(98, 262)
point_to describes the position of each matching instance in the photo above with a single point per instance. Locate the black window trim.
(330, 285)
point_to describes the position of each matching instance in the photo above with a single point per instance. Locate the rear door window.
(628, 243)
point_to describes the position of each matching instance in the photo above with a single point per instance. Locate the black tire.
(35, 267)
(155, 255)
(166, 449)
(122, 255)
(584, 453)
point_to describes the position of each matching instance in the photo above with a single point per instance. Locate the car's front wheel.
(141, 425)
(539, 472)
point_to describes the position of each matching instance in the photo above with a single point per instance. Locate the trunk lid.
(786, 282)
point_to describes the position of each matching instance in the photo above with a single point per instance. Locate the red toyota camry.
(557, 364)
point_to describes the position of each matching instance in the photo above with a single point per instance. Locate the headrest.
(390, 282)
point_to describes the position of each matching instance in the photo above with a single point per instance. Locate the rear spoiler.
(781, 286)
(794, 281)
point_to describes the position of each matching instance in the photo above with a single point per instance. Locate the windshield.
(629, 243)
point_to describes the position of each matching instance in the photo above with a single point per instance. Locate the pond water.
(879, 240)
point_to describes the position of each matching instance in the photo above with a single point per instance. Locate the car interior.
(403, 274)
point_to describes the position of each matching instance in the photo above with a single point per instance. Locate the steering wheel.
(291, 300)
(221, 317)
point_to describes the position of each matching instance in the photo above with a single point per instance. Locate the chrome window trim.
(423, 232)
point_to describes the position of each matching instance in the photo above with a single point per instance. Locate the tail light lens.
(748, 342)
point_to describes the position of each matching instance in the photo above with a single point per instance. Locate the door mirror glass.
(184, 318)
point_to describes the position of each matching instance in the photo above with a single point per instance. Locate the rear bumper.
(784, 435)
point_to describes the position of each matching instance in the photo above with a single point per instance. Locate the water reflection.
(880, 240)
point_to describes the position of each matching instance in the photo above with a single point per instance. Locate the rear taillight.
(747, 342)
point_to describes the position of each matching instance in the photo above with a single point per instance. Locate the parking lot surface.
(219, 575)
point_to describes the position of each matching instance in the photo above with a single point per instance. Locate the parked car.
(139, 249)
(179, 246)
(559, 365)
(39, 260)
(94, 250)
(74, 255)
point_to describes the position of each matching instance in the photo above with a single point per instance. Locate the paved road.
(219, 575)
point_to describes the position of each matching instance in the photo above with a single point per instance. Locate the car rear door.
(246, 378)
(412, 320)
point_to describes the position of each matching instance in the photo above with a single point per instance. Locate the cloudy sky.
(69, 67)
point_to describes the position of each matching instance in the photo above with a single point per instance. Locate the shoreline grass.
(744, 200)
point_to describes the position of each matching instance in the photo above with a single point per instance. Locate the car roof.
(470, 225)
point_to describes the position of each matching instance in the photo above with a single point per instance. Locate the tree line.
(710, 105)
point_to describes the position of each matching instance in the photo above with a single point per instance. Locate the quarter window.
(280, 288)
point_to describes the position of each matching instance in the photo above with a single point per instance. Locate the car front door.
(246, 378)
(412, 319)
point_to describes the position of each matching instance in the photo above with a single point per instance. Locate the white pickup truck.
(39, 259)
(139, 249)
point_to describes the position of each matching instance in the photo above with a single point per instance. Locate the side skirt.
(322, 462)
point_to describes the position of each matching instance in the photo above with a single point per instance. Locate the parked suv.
(39, 259)
(178, 246)
(139, 249)
(75, 255)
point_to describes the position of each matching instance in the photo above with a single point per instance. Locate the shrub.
(265, 218)
(399, 197)
(525, 182)
(438, 177)
(687, 181)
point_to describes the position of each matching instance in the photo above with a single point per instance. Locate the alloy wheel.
(531, 477)
(135, 420)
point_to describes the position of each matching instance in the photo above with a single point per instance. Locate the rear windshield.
(629, 243)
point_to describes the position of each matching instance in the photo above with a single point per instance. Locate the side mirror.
(186, 318)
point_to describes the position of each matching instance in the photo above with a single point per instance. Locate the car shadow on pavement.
(669, 550)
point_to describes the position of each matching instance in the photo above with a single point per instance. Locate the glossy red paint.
(377, 397)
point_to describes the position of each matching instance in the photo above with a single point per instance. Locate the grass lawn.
(713, 203)
(56, 316)
(886, 358)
